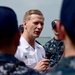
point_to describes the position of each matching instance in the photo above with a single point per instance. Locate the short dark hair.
(21, 28)
(67, 18)
(8, 24)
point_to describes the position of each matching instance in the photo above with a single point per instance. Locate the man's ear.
(24, 24)
(60, 29)
(58, 26)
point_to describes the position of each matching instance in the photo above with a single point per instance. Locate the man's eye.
(42, 23)
(36, 23)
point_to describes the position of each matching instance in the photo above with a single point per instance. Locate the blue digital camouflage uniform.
(9, 65)
(54, 51)
(65, 67)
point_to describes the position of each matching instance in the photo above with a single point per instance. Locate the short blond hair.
(30, 12)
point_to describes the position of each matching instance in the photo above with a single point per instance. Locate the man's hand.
(42, 65)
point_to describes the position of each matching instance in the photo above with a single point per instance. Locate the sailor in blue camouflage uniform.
(67, 27)
(9, 40)
(54, 47)
(9, 65)
(65, 67)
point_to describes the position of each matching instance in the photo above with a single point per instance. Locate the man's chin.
(36, 36)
